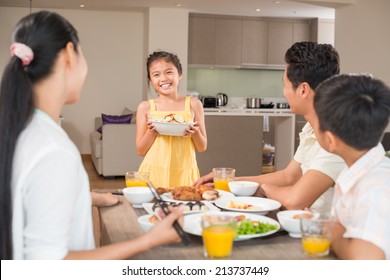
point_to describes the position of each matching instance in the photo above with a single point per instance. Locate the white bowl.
(289, 220)
(144, 222)
(243, 188)
(170, 128)
(138, 195)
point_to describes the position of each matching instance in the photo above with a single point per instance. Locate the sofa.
(113, 151)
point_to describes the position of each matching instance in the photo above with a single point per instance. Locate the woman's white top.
(50, 194)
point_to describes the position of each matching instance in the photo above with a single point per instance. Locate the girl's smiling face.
(164, 77)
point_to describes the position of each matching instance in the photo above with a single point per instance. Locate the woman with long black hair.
(45, 201)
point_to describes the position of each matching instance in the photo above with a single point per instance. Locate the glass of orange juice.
(218, 232)
(136, 179)
(316, 235)
(222, 177)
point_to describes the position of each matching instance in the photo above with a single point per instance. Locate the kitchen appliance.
(222, 99)
(282, 105)
(209, 102)
(253, 102)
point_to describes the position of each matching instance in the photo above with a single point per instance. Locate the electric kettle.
(222, 99)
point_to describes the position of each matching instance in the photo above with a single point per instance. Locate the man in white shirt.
(353, 112)
(313, 171)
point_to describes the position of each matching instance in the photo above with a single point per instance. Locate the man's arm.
(288, 176)
(303, 193)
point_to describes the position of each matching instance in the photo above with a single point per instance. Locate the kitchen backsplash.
(236, 82)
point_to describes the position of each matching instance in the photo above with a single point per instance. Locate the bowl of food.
(138, 195)
(147, 221)
(243, 188)
(173, 125)
(289, 219)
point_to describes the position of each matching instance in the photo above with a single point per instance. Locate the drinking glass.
(316, 235)
(136, 179)
(218, 232)
(222, 177)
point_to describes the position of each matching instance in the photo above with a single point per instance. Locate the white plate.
(222, 194)
(193, 226)
(170, 128)
(137, 205)
(263, 205)
(210, 207)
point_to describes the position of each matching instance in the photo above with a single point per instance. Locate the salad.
(247, 226)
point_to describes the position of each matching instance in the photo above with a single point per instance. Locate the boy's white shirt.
(361, 201)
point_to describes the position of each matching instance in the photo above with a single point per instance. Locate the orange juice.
(218, 240)
(318, 246)
(222, 184)
(135, 183)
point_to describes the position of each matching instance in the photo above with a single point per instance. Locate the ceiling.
(268, 8)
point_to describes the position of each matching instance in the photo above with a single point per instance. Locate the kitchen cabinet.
(243, 41)
(254, 42)
(201, 45)
(235, 137)
(281, 35)
(214, 41)
(232, 141)
(228, 42)
(280, 38)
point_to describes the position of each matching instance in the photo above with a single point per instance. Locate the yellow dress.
(171, 160)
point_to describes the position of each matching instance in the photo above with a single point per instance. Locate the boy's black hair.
(356, 108)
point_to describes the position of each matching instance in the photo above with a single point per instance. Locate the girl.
(169, 160)
(44, 190)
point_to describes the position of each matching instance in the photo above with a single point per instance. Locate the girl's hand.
(192, 130)
(150, 126)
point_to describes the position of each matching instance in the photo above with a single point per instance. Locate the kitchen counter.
(284, 130)
(247, 111)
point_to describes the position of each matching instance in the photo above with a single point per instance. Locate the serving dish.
(259, 205)
(289, 220)
(222, 195)
(170, 128)
(137, 195)
(190, 207)
(192, 223)
(243, 188)
(144, 222)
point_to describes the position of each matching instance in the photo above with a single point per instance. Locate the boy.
(353, 112)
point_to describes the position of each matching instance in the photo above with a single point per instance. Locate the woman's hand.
(163, 232)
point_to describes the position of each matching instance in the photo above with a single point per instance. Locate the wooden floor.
(99, 182)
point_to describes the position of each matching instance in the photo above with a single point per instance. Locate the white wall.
(168, 31)
(362, 38)
(113, 46)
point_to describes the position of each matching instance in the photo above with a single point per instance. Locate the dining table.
(119, 223)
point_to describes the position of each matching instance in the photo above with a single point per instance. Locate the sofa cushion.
(113, 119)
(127, 111)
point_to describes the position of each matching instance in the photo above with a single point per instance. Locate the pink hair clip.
(23, 52)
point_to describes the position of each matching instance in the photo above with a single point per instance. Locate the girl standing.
(169, 160)
(45, 202)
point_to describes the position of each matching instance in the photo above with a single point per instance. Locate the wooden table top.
(119, 223)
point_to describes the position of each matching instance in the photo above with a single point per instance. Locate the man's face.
(289, 93)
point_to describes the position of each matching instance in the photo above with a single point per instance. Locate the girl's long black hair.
(46, 33)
